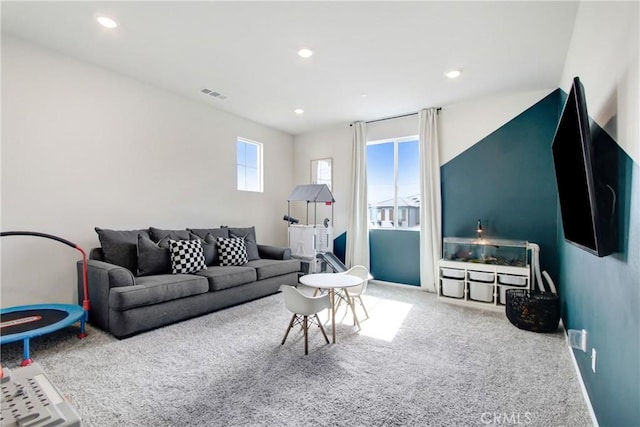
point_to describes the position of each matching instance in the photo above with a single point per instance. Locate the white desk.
(333, 281)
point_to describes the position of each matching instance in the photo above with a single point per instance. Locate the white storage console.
(479, 271)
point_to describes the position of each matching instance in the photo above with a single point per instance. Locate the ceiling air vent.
(214, 94)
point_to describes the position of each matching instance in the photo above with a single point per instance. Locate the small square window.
(321, 172)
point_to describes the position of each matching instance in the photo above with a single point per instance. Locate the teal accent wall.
(507, 180)
(602, 296)
(395, 256)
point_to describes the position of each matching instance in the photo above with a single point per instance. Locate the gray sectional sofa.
(133, 286)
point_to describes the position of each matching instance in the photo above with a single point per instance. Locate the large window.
(393, 180)
(249, 165)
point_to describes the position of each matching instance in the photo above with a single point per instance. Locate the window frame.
(394, 211)
(258, 169)
(317, 178)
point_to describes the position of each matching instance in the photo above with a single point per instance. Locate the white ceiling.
(395, 52)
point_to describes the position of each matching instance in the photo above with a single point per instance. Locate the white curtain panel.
(431, 201)
(357, 251)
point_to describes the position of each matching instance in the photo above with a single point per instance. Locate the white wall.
(466, 123)
(85, 147)
(460, 126)
(604, 52)
(393, 128)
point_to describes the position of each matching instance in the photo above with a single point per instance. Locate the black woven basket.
(532, 310)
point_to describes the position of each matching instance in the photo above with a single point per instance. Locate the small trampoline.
(24, 322)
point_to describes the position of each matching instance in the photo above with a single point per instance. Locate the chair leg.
(286, 334)
(363, 307)
(351, 304)
(306, 337)
(338, 304)
(322, 329)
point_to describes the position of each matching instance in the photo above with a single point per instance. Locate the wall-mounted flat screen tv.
(585, 171)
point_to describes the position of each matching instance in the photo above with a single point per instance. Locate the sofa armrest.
(274, 252)
(102, 277)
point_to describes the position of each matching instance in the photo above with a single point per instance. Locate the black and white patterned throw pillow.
(232, 251)
(186, 256)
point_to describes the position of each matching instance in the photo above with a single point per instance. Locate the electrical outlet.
(593, 360)
(577, 339)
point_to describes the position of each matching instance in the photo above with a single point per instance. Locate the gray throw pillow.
(210, 249)
(153, 258)
(215, 232)
(208, 238)
(158, 234)
(249, 236)
(120, 247)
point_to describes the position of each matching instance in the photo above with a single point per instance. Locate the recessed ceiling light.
(298, 111)
(453, 74)
(305, 53)
(106, 22)
(363, 95)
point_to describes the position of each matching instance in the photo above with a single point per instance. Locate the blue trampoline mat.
(30, 321)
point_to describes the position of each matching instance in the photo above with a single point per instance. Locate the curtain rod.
(396, 117)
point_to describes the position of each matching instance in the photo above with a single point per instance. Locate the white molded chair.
(356, 292)
(305, 309)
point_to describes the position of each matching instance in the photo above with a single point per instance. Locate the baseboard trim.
(397, 285)
(585, 395)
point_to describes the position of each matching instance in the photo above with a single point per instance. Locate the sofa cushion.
(153, 258)
(224, 277)
(274, 252)
(249, 236)
(266, 268)
(208, 247)
(158, 234)
(232, 251)
(150, 290)
(215, 232)
(120, 247)
(186, 256)
(97, 254)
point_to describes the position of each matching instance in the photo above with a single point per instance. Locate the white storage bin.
(510, 279)
(453, 288)
(481, 292)
(452, 273)
(480, 276)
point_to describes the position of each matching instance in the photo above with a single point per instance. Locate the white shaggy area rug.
(416, 362)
